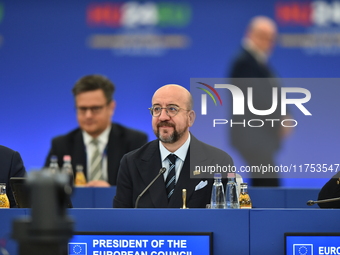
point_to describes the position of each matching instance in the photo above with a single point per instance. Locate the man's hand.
(98, 183)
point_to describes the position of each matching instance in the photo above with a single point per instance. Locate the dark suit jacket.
(121, 140)
(11, 165)
(141, 166)
(246, 66)
(330, 190)
(249, 138)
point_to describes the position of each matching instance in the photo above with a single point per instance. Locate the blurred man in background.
(257, 145)
(98, 144)
(11, 165)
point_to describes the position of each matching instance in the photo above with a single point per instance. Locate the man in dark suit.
(11, 165)
(257, 145)
(331, 189)
(98, 144)
(175, 149)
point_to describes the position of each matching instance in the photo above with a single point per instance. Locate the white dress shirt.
(103, 139)
(181, 153)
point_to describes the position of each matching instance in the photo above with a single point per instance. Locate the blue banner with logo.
(140, 244)
(310, 244)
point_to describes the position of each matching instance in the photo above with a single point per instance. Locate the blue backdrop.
(45, 46)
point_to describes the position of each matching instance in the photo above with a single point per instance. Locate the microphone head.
(310, 202)
(162, 170)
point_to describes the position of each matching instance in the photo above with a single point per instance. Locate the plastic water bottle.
(232, 196)
(54, 167)
(217, 194)
(67, 169)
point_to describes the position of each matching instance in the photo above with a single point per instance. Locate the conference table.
(261, 197)
(254, 231)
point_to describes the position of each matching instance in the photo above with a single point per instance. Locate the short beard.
(174, 137)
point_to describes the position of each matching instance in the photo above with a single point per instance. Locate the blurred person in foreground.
(11, 165)
(331, 189)
(177, 150)
(98, 144)
(250, 68)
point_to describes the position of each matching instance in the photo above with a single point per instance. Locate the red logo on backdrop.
(104, 14)
(133, 14)
(318, 13)
(293, 13)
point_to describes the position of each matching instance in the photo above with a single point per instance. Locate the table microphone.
(161, 171)
(311, 202)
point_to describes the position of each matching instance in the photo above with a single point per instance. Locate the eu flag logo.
(303, 249)
(77, 249)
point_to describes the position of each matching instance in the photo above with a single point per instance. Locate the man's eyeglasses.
(170, 110)
(93, 109)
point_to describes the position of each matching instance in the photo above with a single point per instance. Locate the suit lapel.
(149, 166)
(265, 71)
(79, 152)
(114, 153)
(184, 180)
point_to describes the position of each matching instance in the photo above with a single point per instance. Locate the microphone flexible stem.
(311, 202)
(161, 171)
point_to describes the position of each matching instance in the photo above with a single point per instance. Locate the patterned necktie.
(96, 160)
(171, 178)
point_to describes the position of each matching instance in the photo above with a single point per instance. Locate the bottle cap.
(2, 187)
(67, 158)
(231, 175)
(54, 158)
(217, 176)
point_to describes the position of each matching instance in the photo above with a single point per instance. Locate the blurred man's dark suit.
(11, 165)
(121, 140)
(257, 145)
